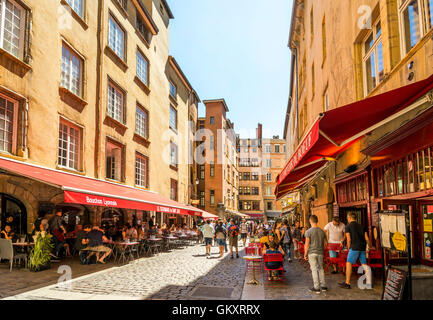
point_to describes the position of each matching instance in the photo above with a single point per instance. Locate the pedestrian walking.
(244, 231)
(286, 239)
(220, 236)
(297, 237)
(357, 240)
(208, 232)
(233, 232)
(315, 243)
(335, 233)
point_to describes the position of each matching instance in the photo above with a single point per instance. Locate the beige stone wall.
(341, 75)
(35, 84)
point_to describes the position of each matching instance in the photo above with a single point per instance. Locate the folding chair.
(337, 247)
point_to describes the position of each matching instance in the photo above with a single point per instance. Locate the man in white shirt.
(208, 233)
(335, 233)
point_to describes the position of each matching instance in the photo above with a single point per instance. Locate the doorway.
(13, 213)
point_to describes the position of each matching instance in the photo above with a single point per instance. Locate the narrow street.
(186, 274)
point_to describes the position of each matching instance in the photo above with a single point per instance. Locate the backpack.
(287, 239)
(234, 231)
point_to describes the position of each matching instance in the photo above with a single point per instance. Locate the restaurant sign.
(100, 201)
(305, 146)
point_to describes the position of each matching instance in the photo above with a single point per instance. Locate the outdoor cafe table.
(253, 259)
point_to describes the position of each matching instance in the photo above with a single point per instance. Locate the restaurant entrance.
(13, 213)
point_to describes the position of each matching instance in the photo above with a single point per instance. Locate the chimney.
(259, 132)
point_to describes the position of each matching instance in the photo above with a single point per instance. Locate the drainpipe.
(99, 80)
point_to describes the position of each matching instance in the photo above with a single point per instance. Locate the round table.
(253, 259)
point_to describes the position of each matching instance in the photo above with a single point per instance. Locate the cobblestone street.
(187, 274)
(174, 275)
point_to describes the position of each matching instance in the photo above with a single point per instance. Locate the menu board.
(393, 230)
(395, 283)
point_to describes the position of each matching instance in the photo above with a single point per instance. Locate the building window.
(312, 24)
(77, 6)
(373, 58)
(114, 161)
(268, 191)
(116, 38)
(212, 197)
(202, 172)
(256, 205)
(12, 27)
(173, 118)
(277, 148)
(269, 206)
(173, 154)
(430, 13)
(69, 145)
(123, 3)
(142, 28)
(255, 191)
(212, 169)
(173, 90)
(246, 176)
(202, 198)
(255, 176)
(268, 163)
(142, 122)
(8, 124)
(115, 102)
(269, 177)
(141, 170)
(212, 120)
(72, 71)
(410, 13)
(212, 142)
(173, 190)
(268, 148)
(142, 68)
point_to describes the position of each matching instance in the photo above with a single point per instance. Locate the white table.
(253, 259)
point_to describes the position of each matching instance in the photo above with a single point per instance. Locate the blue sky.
(236, 50)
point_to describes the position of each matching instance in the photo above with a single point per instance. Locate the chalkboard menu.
(394, 285)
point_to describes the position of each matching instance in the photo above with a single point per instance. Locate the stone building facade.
(217, 165)
(337, 59)
(88, 88)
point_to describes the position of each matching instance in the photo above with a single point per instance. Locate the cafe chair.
(251, 251)
(7, 253)
(274, 257)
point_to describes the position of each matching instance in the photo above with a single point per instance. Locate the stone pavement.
(298, 280)
(177, 275)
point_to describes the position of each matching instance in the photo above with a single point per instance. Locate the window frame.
(23, 22)
(170, 86)
(402, 6)
(14, 123)
(174, 183)
(122, 159)
(176, 154)
(139, 156)
(112, 18)
(146, 112)
(367, 55)
(143, 56)
(123, 104)
(81, 59)
(81, 14)
(172, 108)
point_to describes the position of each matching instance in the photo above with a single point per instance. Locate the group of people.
(219, 231)
(353, 236)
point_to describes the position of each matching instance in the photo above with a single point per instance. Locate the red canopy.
(336, 130)
(89, 191)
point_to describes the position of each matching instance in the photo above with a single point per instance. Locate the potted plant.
(40, 258)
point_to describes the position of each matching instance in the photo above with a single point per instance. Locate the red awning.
(336, 130)
(255, 215)
(204, 214)
(89, 191)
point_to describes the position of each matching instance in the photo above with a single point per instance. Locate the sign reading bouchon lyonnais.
(305, 146)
